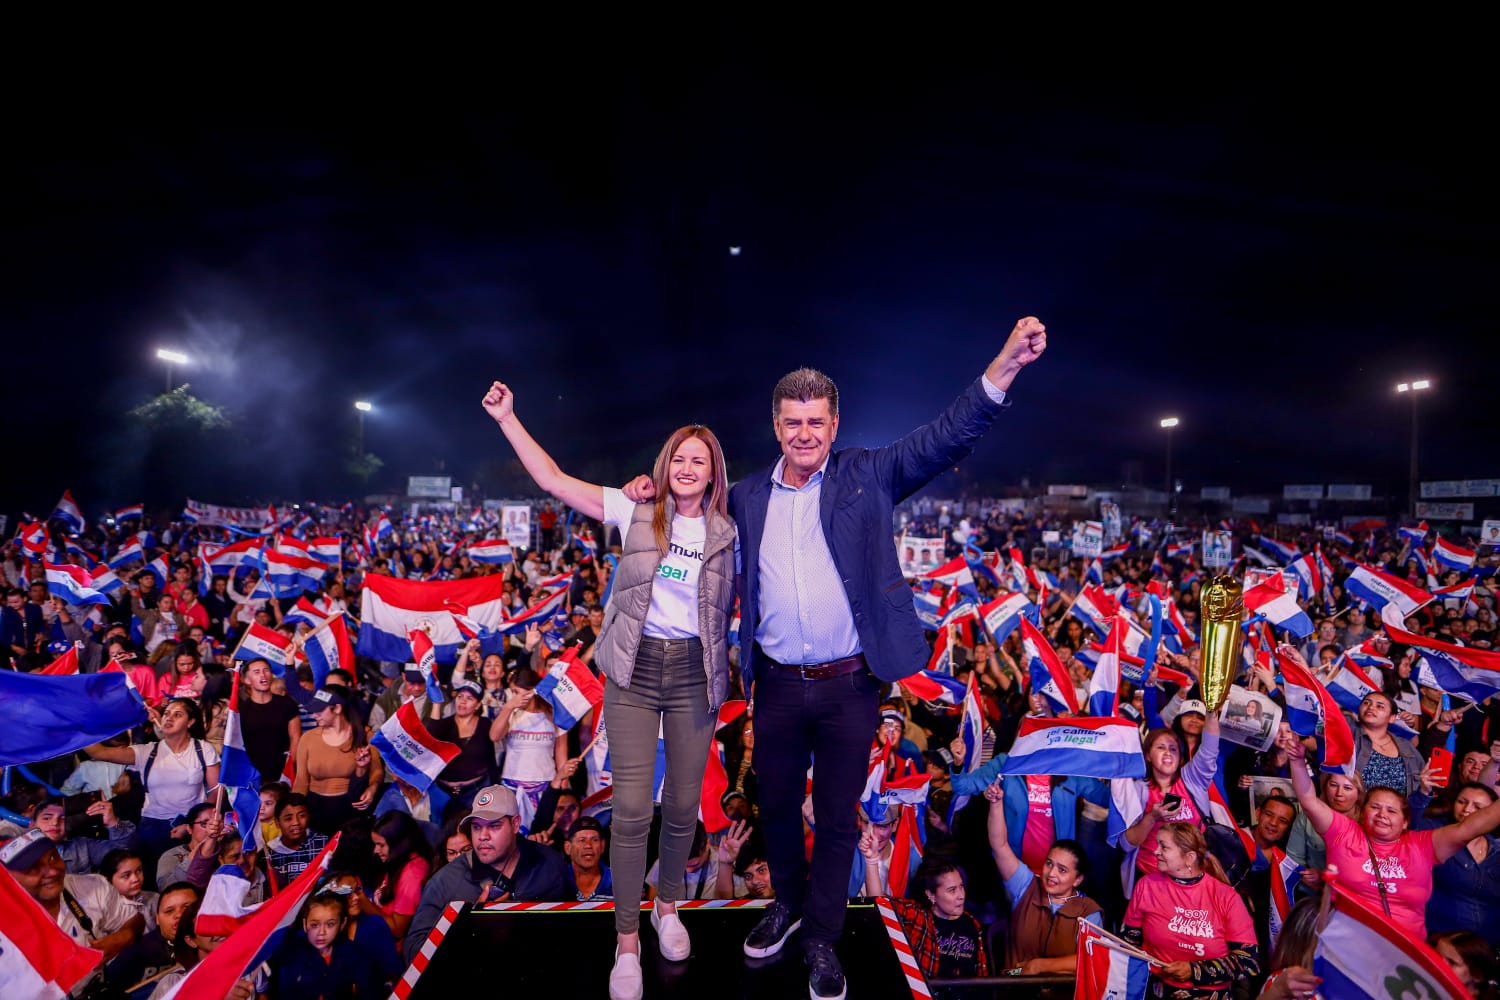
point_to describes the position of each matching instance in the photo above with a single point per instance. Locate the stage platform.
(562, 949)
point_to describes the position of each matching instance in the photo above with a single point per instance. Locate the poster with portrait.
(1088, 539)
(515, 525)
(919, 555)
(1263, 787)
(1218, 549)
(1249, 718)
(1109, 513)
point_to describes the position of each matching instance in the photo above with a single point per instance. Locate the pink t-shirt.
(408, 887)
(1145, 859)
(1188, 922)
(1405, 866)
(1040, 832)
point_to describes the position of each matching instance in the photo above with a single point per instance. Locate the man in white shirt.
(86, 907)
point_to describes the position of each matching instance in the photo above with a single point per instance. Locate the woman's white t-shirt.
(176, 782)
(530, 748)
(673, 613)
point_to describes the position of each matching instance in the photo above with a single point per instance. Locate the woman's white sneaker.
(671, 936)
(625, 977)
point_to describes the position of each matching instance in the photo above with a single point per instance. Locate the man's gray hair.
(805, 385)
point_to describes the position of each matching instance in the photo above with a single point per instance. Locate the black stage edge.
(569, 952)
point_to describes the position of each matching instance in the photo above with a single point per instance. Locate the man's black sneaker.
(767, 937)
(825, 977)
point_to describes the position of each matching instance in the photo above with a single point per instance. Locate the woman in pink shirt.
(1383, 838)
(1186, 915)
(405, 861)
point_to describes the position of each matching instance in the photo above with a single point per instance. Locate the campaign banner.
(1302, 491)
(1109, 513)
(1218, 549)
(515, 522)
(1489, 533)
(217, 515)
(1348, 491)
(1088, 539)
(1445, 511)
(1218, 493)
(918, 555)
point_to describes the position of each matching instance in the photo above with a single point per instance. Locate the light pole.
(1167, 423)
(1413, 389)
(171, 358)
(363, 408)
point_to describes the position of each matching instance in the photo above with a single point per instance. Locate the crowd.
(991, 872)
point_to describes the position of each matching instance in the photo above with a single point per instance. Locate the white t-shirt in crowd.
(674, 593)
(530, 748)
(106, 908)
(176, 782)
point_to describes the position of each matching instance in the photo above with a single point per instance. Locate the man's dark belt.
(821, 671)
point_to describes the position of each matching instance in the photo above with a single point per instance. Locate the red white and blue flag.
(409, 751)
(238, 774)
(1114, 552)
(393, 607)
(571, 688)
(326, 549)
(1094, 607)
(955, 573)
(941, 661)
(289, 571)
(1003, 615)
(128, 553)
(1363, 955)
(224, 910)
(1094, 574)
(1048, 676)
(1270, 600)
(1286, 874)
(1104, 685)
(68, 513)
(1453, 556)
(1089, 747)
(134, 512)
(971, 734)
(37, 958)
(1309, 706)
(425, 657)
(34, 540)
(238, 955)
(73, 584)
(1379, 589)
(159, 569)
(538, 614)
(1415, 535)
(493, 552)
(1109, 969)
(927, 685)
(1281, 550)
(305, 612)
(262, 643)
(1462, 670)
(328, 648)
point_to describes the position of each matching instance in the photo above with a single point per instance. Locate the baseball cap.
(579, 609)
(492, 804)
(26, 850)
(389, 669)
(469, 686)
(1194, 705)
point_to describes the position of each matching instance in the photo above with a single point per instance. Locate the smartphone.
(1441, 763)
(1172, 803)
(76, 820)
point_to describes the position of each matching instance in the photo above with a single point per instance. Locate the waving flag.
(1309, 575)
(73, 584)
(1104, 686)
(409, 751)
(328, 648)
(907, 844)
(64, 666)
(425, 657)
(287, 571)
(942, 656)
(383, 527)
(1363, 955)
(129, 553)
(928, 609)
(238, 955)
(1114, 552)
(37, 958)
(1270, 600)
(538, 614)
(942, 689)
(227, 558)
(46, 717)
(1091, 748)
(159, 569)
(223, 910)
(1094, 608)
(1094, 574)
(238, 774)
(1379, 589)
(68, 513)
(133, 512)
(571, 688)
(393, 607)
(955, 573)
(292, 545)
(262, 643)
(326, 549)
(1107, 968)
(1286, 875)
(492, 552)
(304, 612)
(1415, 535)
(1003, 615)
(1048, 675)
(1281, 550)
(1453, 556)
(34, 540)
(983, 564)
(1309, 704)
(957, 607)
(1462, 670)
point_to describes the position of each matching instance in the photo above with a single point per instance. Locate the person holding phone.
(1175, 789)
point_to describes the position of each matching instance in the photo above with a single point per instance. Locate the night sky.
(1263, 258)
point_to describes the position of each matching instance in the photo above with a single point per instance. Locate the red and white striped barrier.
(914, 977)
(686, 904)
(419, 964)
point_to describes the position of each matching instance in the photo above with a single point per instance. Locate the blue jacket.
(861, 487)
(1065, 799)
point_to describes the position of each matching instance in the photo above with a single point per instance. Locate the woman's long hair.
(194, 713)
(344, 699)
(405, 840)
(1158, 733)
(1188, 837)
(716, 499)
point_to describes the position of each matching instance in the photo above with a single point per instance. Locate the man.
(413, 688)
(173, 865)
(82, 854)
(297, 847)
(269, 722)
(161, 627)
(501, 866)
(1272, 824)
(21, 625)
(588, 876)
(153, 952)
(86, 907)
(827, 619)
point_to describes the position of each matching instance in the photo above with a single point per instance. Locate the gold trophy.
(1221, 606)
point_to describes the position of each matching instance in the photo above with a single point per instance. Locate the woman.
(1188, 724)
(405, 862)
(185, 679)
(946, 939)
(1466, 887)
(269, 722)
(664, 652)
(1343, 793)
(1185, 914)
(467, 727)
(536, 750)
(491, 676)
(177, 772)
(367, 930)
(1383, 837)
(1291, 963)
(1042, 934)
(1397, 685)
(213, 702)
(1382, 758)
(1174, 790)
(1471, 958)
(124, 871)
(337, 769)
